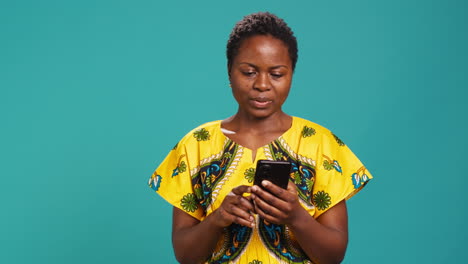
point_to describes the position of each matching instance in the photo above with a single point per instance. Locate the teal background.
(93, 94)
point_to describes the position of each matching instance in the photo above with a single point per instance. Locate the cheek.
(283, 97)
(284, 89)
(239, 87)
(237, 92)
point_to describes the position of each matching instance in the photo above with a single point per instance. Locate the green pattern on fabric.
(309, 183)
(321, 200)
(278, 156)
(338, 140)
(249, 174)
(202, 134)
(209, 181)
(327, 165)
(307, 131)
(198, 191)
(255, 262)
(182, 167)
(297, 177)
(189, 203)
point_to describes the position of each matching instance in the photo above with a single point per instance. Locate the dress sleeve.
(172, 181)
(339, 174)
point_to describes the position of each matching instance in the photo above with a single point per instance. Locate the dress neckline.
(285, 133)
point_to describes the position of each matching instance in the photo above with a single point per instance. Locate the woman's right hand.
(188, 232)
(235, 208)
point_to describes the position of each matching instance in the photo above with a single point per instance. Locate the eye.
(276, 75)
(249, 73)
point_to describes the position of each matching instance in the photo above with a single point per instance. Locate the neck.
(242, 122)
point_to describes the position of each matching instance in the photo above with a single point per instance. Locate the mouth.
(260, 102)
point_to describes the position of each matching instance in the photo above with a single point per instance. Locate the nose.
(262, 82)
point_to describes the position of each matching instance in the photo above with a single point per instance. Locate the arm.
(189, 233)
(323, 240)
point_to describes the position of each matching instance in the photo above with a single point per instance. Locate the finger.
(240, 216)
(292, 188)
(265, 208)
(225, 219)
(274, 189)
(267, 197)
(265, 214)
(243, 222)
(239, 200)
(255, 205)
(246, 204)
(241, 189)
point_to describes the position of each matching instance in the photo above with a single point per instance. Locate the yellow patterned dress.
(205, 165)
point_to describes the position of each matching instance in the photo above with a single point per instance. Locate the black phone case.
(276, 172)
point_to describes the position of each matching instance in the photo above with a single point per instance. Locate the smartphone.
(276, 172)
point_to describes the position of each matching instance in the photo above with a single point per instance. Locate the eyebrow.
(255, 66)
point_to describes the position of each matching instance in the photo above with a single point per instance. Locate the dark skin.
(261, 76)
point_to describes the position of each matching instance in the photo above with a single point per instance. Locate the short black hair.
(261, 23)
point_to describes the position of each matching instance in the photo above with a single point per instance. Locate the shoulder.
(203, 133)
(307, 128)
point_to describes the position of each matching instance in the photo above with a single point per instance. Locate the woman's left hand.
(278, 206)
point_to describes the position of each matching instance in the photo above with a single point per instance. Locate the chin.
(262, 114)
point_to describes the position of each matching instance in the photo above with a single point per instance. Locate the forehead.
(263, 49)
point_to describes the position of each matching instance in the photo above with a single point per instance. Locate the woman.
(218, 216)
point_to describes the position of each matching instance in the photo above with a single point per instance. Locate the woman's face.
(261, 76)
